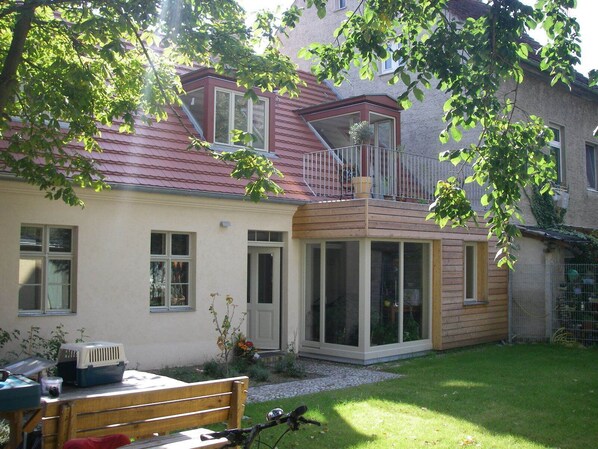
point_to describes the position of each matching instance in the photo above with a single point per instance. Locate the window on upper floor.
(340, 4)
(171, 270)
(193, 105)
(557, 150)
(389, 65)
(216, 111)
(233, 111)
(591, 167)
(46, 269)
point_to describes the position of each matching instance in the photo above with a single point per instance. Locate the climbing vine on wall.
(547, 214)
(551, 217)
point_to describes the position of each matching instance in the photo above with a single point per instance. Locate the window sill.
(171, 310)
(473, 302)
(37, 313)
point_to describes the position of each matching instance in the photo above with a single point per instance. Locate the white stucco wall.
(113, 267)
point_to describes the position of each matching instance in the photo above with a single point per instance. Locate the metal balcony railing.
(383, 173)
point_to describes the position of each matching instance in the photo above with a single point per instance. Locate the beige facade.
(112, 256)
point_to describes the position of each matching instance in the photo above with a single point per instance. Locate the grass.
(524, 396)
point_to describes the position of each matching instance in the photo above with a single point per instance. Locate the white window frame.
(592, 166)
(556, 146)
(389, 65)
(340, 4)
(168, 258)
(45, 256)
(231, 117)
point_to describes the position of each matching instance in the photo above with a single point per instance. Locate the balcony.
(367, 171)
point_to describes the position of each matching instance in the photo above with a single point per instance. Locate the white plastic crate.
(92, 354)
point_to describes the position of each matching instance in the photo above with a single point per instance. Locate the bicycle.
(244, 437)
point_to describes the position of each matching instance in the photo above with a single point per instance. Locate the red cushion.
(107, 442)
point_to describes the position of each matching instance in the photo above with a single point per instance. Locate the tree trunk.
(8, 77)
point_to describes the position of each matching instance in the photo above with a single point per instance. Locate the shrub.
(217, 370)
(259, 373)
(289, 366)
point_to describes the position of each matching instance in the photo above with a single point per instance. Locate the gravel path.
(329, 376)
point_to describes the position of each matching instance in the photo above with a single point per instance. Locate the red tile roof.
(157, 156)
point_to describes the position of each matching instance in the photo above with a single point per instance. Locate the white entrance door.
(263, 297)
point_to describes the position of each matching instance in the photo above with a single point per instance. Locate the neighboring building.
(362, 280)
(571, 113)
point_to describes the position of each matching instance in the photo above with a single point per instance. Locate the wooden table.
(26, 420)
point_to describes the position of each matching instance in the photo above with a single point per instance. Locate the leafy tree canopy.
(68, 67)
(470, 61)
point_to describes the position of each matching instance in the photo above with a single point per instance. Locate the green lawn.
(524, 396)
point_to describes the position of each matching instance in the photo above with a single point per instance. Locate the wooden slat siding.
(465, 325)
(373, 218)
(403, 220)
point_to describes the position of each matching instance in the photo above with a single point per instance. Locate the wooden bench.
(143, 414)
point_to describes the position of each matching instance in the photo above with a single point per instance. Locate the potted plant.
(361, 133)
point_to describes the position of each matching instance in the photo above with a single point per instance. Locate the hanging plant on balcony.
(361, 133)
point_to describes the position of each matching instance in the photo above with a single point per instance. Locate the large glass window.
(416, 291)
(234, 111)
(338, 262)
(385, 297)
(170, 270)
(312, 296)
(400, 292)
(342, 293)
(46, 269)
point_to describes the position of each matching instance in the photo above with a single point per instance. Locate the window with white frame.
(389, 65)
(557, 152)
(233, 111)
(475, 255)
(591, 168)
(340, 4)
(46, 269)
(171, 268)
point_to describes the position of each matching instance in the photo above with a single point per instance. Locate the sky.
(586, 13)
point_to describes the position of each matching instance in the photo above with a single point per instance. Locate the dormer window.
(193, 105)
(233, 111)
(216, 107)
